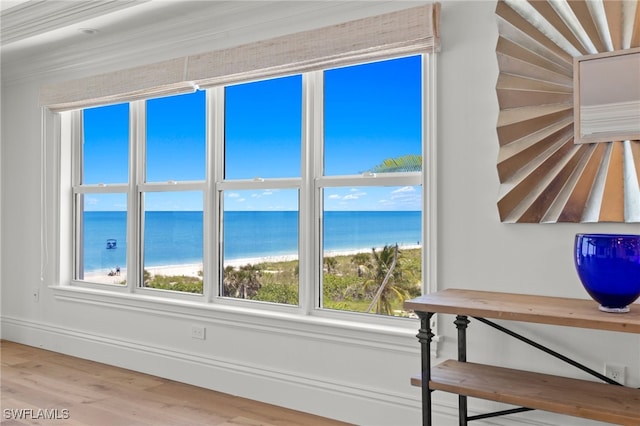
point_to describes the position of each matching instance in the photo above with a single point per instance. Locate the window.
(100, 195)
(171, 195)
(372, 227)
(301, 192)
(260, 190)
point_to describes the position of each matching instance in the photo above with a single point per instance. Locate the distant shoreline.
(194, 269)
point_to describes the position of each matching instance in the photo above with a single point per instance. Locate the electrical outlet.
(198, 332)
(616, 372)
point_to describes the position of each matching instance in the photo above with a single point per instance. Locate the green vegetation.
(354, 283)
(405, 163)
(350, 282)
(171, 282)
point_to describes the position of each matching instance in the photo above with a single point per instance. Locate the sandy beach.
(103, 277)
(193, 269)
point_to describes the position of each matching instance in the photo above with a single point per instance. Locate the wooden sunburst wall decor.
(546, 173)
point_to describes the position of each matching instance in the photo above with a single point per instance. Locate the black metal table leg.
(461, 323)
(425, 335)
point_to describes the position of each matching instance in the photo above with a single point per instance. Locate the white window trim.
(309, 251)
(342, 181)
(56, 268)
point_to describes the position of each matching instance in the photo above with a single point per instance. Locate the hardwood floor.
(43, 387)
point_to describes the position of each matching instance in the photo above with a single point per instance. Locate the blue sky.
(372, 112)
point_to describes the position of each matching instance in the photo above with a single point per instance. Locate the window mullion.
(137, 152)
(313, 163)
(77, 146)
(259, 184)
(429, 174)
(101, 189)
(76, 180)
(306, 214)
(213, 263)
(318, 172)
(387, 179)
(171, 186)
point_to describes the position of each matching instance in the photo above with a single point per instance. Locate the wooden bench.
(580, 398)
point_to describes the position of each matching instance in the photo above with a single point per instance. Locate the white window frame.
(140, 187)
(410, 31)
(309, 186)
(426, 179)
(220, 185)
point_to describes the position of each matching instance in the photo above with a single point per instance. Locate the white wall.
(359, 376)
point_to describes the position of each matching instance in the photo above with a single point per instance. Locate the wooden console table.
(607, 402)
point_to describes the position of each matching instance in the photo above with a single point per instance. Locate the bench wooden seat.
(574, 397)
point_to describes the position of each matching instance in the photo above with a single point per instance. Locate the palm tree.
(405, 163)
(243, 282)
(388, 279)
(330, 263)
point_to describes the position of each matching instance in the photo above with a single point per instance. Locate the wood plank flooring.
(48, 388)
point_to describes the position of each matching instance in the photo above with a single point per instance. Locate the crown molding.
(178, 29)
(37, 17)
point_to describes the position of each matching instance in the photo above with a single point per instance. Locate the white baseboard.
(341, 401)
(309, 394)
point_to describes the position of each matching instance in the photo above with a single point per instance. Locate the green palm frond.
(405, 163)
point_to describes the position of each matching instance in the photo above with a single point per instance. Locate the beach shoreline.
(104, 276)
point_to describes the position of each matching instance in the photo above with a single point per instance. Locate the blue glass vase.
(609, 267)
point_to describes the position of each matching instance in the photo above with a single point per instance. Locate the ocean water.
(173, 238)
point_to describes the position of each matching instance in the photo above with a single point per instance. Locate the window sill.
(399, 337)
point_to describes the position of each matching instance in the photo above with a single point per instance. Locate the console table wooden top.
(561, 311)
